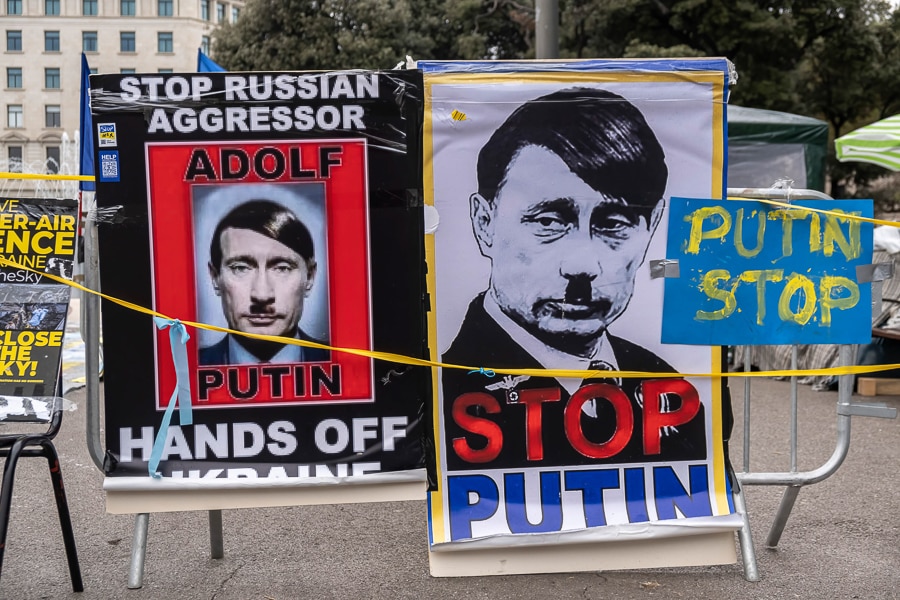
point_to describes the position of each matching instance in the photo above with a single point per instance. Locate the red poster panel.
(278, 232)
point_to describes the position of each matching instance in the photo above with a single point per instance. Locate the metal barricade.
(90, 306)
(794, 479)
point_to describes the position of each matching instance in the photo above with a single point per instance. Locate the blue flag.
(205, 64)
(87, 128)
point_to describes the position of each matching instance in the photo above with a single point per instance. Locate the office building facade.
(41, 62)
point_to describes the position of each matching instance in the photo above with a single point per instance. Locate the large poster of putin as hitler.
(284, 211)
(551, 183)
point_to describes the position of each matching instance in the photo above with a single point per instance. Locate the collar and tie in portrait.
(602, 365)
(590, 407)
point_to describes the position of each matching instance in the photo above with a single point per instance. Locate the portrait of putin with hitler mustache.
(570, 192)
(263, 268)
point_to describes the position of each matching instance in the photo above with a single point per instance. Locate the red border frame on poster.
(338, 164)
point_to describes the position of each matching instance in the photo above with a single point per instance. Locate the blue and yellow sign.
(756, 273)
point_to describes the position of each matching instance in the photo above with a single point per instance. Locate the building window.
(53, 159)
(126, 41)
(14, 77)
(93, 70)
(165, 71)
(204, 10)
(164, 41)
(14, 7)
(127, 71)
(235, 13)
(51, 7)
(51, 79)
(14, 116)
(89, 41)
(127, 8)
(220, 12)
(89, 8)
(164, 8)
(13, 41)
(204, 44)
(51, 41)
(14, 164)
(51, 116)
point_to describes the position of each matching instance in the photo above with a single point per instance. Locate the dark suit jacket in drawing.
(481, 342)
(218, 353)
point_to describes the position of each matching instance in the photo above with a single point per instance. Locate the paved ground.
(841, 540)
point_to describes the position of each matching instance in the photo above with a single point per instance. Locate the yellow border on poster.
(718, 189)
(716, 79)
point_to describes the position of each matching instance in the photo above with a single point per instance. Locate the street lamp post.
(546, 26)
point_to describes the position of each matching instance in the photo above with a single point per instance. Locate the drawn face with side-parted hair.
(570, 193)
(564, 256)
(262, 283)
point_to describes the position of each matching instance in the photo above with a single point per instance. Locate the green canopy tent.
(877, 143)
(766, 145)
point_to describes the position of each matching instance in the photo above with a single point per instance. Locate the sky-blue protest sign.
(756, 273)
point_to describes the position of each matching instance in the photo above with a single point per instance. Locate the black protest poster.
(276, 204)
(37, 237)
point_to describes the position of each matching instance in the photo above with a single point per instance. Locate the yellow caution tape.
(488, 371)
(54, 176)
(834, 213)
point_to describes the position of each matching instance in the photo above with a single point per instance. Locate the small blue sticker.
(106, 135)
(109, 165)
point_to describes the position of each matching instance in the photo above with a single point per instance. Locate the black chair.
(15, 410)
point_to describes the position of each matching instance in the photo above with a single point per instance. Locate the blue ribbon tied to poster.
(751, 272)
